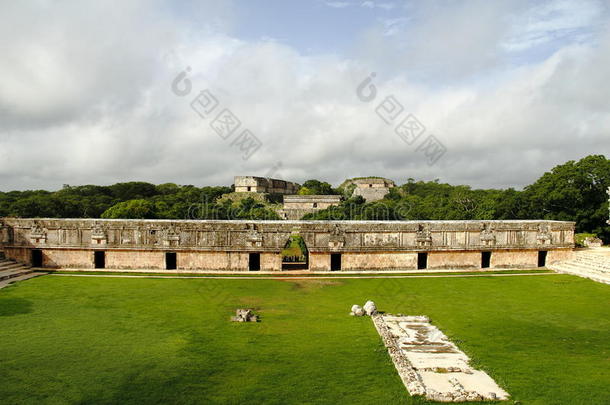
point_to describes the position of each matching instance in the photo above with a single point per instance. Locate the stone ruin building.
(248, 245)
(243, 245)
(251, 184)
(295, 206)
(372, 188)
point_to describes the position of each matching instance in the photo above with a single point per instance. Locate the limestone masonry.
(251, 184)
(372, 188)
(192, 245)
(430, 364)
(295, 206)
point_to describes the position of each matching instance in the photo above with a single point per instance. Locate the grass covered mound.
(116, 340)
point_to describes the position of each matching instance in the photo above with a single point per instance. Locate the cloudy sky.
(97, 92)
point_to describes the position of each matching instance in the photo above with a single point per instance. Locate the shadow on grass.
(14, 306)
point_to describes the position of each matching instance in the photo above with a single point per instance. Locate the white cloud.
(373, 4)
(97, 107)
(554, 20)
(337, 4)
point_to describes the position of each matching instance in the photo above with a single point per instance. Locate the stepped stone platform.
(11, 271)
(430, 365)
(591, 263)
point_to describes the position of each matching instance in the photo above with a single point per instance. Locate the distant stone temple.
(295, 206)
(251, 184)
(372, 188)
(210, 245)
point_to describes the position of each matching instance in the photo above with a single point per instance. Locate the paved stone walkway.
(430, 364)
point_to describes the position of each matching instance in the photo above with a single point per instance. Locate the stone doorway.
(254, 261)
(422, 261)
(542, 258)
(99, 259)
(295, 255)
(171, 262)
(335, 261)
(36, 258)
(485, 260)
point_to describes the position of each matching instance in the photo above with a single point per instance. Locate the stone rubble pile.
(244, 315)
(369, 309)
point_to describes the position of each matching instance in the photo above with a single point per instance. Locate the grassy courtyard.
(545, 339)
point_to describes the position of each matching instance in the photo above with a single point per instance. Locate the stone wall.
(379, 261)
(245, 184)
(455, 260)
(226, 245)
(372, 189)
(296, 206)
(310, 201)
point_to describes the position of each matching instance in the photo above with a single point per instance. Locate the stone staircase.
(589, 263)
(11, 271)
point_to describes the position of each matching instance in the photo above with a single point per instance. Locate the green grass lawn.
(293, 275)
(546, 340)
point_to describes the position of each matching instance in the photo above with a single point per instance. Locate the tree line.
(573, 191)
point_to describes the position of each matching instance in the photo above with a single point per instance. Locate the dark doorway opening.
(422, 261)
(254, 262)
(542, 258)
(36, 258)
(485, 259)
(335, 261)
(171, 263)
(99, 259)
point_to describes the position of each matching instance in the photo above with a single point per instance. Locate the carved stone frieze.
(254, 238)
(423, 236)
(38, 234)
(488, 238)
(544, 236)
(98, 234)
(337, 238)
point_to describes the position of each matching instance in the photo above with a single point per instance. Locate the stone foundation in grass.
(430, 365)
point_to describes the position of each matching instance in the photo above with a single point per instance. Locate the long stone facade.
(191, 245)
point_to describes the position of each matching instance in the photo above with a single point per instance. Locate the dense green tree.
(317, 187)
(132, 209)
(574, 191)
